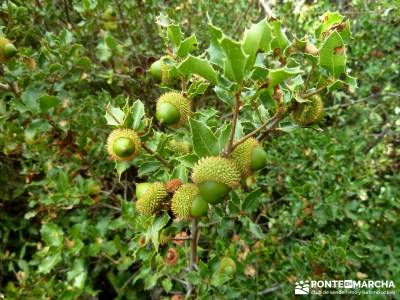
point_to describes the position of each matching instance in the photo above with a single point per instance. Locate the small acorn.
(307, 113)
(199, 207)
(152, 200)
(227, 266)
(155, 69)
(215, 176)
(172, 109)
(123, 144)
(179, 147)
(141, 188)
(181, 203)
(249, 156)
(7, 49)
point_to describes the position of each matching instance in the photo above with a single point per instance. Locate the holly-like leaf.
(137, 114)
(332, 55)
(215, 50)
(204, 142)
(197, 87)
(47, 102)
(174, 34)
(199, 66)
(235, 59)
(153, 232)
(49, 262)
(187, 46)
(258, 37)
(277, 76)
(114, 115)
(328, 20)
(280, 40)
(52, 234)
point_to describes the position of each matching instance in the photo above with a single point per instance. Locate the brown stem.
(151, 152)
(305, 96)
(234, 122)
(112, 116)
(193, 244)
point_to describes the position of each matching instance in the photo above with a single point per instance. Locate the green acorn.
(214, 176)
(141, 188)
(7, 49)
(227, 266)
(307, 113)
(123, 144)
(172, 109)
(152, 200)
(179, 147)
(155, 69)
(161, 72)
(199, 207)
(249, 156)
(181, 202)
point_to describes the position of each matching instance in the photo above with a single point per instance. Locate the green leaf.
(280, 40)
(256, 230)
(201, 67)
(204, 142)
(197, 87)
(52, 234)
(167, 285)
(114, 115)
(77, 274)
(49, 262)
(277, 76)
(47, 102)
(29, 98)
(174, 34)
(215, 50)
(153, 232)
(235, 59)
(187, 46)
(258, 37)
(137, 114)
(37, 126)
(328, 19)
(251, 202)
(121, 167)
(332, 56)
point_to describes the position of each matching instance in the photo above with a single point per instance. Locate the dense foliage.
(325, 206)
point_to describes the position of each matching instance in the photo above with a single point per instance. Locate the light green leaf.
(153, 232)
(174, 34)
(204, 142)
(277, 76)
(235, 59)
(49, 262)
(52, 234)
(332, 56)
(280, 40)
(114, 115)
(77, 274)
(258, 37)
(187, 46)
(201, 67)
(328, 19)
(47, 102)
(121, 167)
(215, 50)
(197, 87)
(137, 114)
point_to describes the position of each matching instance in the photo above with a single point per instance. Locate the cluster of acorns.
(212, 177)
(7, 49)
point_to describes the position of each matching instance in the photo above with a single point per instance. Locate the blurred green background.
(328, 203)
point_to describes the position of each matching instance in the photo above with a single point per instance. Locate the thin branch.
(151, 152)
(112, 116)
(269, 290)
(320, 89)
(234, 122)
(193, 244)
(242, 16)
(181, 239)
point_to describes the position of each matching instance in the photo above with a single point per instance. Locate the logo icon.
(302, 287)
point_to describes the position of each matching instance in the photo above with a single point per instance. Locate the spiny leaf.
(332, 55)
(205, 143)
(235, 59)
(201, 67)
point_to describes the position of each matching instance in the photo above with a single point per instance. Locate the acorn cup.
(310, 112)
(173, 109)
(152, 200)
(249, 157)
(215, 176)
(123, 144)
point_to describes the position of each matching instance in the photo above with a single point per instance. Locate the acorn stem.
(320, 89)
(151, 152)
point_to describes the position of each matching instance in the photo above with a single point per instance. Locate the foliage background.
(327, 205)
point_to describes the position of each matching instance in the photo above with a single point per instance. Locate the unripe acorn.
(307, 113)
(199, 207)
(155, 69)
(214, 176)
(152, 200)
(172, 109)
(227, 266)
(181, 202)
(179, 147)
(141, 188)
(249, 156)
(123, 144)
(7, 49)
